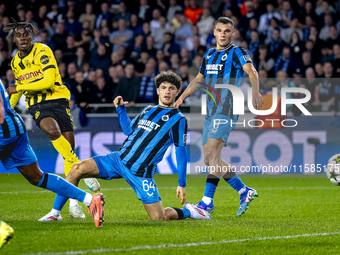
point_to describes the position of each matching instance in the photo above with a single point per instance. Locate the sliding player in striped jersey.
(224, 64)
(37, 77)
(16, 152)
(149, 136)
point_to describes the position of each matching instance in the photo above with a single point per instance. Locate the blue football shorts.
(217, 126)
(16, 151)
(111, 167)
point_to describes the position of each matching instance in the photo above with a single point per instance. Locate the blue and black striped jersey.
(151, 133)
(13, 124)
(223, 67)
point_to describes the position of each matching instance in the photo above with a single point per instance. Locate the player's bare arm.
(12, 89)
(254, 81)
(191, 89)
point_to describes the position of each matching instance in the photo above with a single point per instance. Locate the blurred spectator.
(194, 69)
(70, 52)
(21, 13)
(128, 85)
(306, 61)
(163, 66)
(9, 78)
(324, 91)
(122, 14)
(264, 61)
(283, 62)
(183, 32)
(58, 56)
(122, 36)
(296, 45)
(193, 11)
(326, 54)
(252, 26)
(172, 10)
(169, 47)
(325, 31)
(113, 78)
(59, 38)
(254, 42)
(147, 90)
(99, 73)
(310, 11)
(99, 59)
(29, 18)
(146, 32)
(70, 81)
(185, 57)
(206, 23)
(236, 40)
(141, 62)
(306, 31)
(150, 46)
(135, 49)
(72, 26)
(135, 25)
(155, 23)
(229, 5)
(6, 63)
(144, 10)
(310, 82)
(52, 15)
(336, 60)
(80, 58)
(288, 15)
(276, 46)
(244, 20)
(119, 71)
(101, 93)
(41, 16)
(160, 56)
(174, 62)
(266, 17)
(318, 70)
(88, 16)
(121, 54)
(78, 115)
(43, 37)
(334, 38)
(62, 71)
(105, 14)
(158, 33)
(244, 45)
(92, 77)
(184, 73)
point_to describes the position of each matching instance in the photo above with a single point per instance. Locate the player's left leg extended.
(156, 212)
(212, 151)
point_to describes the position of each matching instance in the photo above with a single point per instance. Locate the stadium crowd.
(116, 47)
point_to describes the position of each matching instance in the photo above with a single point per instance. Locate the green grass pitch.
(293, 215)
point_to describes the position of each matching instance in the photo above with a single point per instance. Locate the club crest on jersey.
(44, 60)
(224, 57)
(28, 63)
(165, 117)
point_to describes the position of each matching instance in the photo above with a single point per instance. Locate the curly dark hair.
(10, 27)
(169, 77)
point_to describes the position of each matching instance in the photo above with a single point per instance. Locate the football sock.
(65, 149)
(73, 202)
(60, 186)
(210, 188)
(59, 202)
(183, 213)
(234, 181)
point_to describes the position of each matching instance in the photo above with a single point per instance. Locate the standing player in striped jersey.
(224, 64)
(15, 152)
(37, 76)
(149, 136)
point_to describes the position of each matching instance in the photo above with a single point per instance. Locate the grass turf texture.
(288, 206)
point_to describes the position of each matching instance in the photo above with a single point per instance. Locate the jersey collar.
(231, 45)
(33, 44)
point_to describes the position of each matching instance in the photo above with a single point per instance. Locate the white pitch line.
(184, 245)
(117, 189)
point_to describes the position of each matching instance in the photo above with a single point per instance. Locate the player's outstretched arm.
(181, 158)
(124, 120)
(254, 81)
(2, 111)
(191, 89)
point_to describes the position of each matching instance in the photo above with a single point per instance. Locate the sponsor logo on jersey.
(213, 68)
(247, 58)
(44, 59)
(148, 125)
(28, 76)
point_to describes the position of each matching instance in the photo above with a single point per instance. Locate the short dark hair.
(169, 77)
(224, 20)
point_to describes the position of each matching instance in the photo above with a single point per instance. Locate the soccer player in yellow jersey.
(37, 77)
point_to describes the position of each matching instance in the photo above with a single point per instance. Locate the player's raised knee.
(53, 133)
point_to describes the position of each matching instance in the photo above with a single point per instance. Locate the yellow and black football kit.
(37, 77)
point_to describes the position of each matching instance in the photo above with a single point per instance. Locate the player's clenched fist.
(119, 101)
